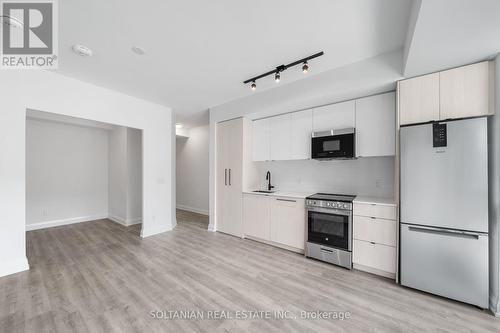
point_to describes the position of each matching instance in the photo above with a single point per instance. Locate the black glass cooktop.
(332, 197)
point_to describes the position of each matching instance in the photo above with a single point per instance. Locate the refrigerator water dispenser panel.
(439, 136)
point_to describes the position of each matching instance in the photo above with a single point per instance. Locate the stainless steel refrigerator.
(444, 209)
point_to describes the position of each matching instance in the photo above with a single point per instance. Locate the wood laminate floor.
(102, 277)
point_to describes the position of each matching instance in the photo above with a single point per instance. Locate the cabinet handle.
(225, 176)
(373, 243)
(326, 250)
(229, 177)
(373, 218)
(288, 200)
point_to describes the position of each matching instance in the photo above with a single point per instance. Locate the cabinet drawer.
(387, 212)
(375, 230)
(378, 256)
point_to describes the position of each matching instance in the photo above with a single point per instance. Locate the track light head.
(305, 67)
(277, 77)
(253, 86)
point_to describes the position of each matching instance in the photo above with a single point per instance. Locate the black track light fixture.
(305, 67)
(277, 77)
(277, 71)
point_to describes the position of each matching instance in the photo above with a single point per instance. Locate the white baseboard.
(192, 209)
(56, 223)
(124, 222)
(9, 267)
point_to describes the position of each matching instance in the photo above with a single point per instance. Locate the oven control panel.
(329, 204)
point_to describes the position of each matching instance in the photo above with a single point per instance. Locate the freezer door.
(446, 186)
(445, 263)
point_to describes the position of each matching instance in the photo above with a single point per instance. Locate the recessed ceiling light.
(82, 50)
(138, 50)
(179, 125)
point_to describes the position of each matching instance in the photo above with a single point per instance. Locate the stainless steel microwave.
(333, 144)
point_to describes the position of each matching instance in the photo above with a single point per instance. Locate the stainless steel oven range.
(329, 228)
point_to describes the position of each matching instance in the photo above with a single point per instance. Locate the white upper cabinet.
(284, 137)
(334, 116)
(456, 93)
(376, 125)
(419, 99)
(280, 137)
(301, 131)
(260, 140)
(466, 91)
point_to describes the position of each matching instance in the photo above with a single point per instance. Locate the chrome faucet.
(268, 178)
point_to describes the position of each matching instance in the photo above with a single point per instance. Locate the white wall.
(192, 170)
(134, 165)
(365, 176)
(66, 173)
(494, 195)
(118, 174)
(51, 92)
(125, 175)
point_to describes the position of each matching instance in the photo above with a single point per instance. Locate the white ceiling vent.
(82, 50)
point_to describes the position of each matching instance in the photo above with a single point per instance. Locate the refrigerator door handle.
(453, 233)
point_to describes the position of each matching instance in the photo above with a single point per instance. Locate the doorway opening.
(79, 170)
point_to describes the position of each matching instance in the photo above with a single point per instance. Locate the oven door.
(333, 146)
(330, 227)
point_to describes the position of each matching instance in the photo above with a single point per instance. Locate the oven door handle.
(330, 211)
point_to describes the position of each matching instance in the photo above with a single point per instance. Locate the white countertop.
(298, 195)
(303, 195)
(374, 200)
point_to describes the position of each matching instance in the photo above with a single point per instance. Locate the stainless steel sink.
(263, 191)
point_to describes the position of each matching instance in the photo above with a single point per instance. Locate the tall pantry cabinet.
(234, 173)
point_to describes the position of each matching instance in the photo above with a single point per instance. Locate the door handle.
(326, 250)
(229, 177)
(225, 176)
(288, 200)
(452, 233)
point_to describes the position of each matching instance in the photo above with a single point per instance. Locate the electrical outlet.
(45, 212)
(379, 183)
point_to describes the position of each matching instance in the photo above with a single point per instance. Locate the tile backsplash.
(373, 176)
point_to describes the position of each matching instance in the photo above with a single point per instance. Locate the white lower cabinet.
(375, 230)
(375, 238)
(256, 217)
(377, 256)
(288, 218)
(279, 220)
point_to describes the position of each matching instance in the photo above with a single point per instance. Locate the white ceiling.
(451, 33)
(199, 52)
